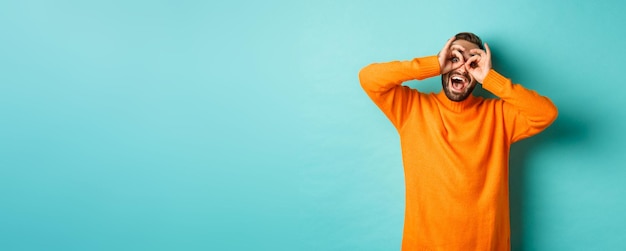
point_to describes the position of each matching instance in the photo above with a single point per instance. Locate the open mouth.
(458, 83)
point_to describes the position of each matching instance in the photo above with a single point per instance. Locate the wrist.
(483, 78)
(429, 66)
(441, 60)
(494, 81)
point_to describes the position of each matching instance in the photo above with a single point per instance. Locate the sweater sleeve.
(526, 112)
(383, 84)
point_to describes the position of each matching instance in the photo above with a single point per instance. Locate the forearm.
(538, 111)
(381, 77)
(383, 84)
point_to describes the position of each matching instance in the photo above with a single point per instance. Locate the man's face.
(458, 84)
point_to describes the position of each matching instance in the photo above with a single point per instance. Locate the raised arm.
(382, 81)
(383, 84)
(526, 112)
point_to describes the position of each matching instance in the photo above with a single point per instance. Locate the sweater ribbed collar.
(469, 102)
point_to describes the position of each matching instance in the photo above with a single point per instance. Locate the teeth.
(456, 79)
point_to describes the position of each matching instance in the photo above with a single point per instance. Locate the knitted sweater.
(455, 154)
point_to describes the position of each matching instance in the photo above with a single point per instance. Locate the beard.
(464, 83)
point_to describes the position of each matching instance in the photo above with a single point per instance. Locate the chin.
(458, 95)
(456, 98)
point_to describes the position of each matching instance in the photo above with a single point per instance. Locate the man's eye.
(455, 59)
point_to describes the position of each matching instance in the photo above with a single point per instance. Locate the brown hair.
(470, 37)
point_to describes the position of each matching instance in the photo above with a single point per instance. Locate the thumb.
(472, 62)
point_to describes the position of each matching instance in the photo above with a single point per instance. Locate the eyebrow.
(463, 52)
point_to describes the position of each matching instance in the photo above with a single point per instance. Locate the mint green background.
(234, 125)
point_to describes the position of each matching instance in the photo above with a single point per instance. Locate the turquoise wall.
(233, 125)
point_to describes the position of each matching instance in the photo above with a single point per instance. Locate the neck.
(456, 106)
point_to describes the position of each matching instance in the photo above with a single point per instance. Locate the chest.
(472, 129)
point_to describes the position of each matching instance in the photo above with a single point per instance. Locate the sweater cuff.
(494, 81)
(426, 67)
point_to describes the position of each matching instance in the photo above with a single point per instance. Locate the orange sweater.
(455, 154)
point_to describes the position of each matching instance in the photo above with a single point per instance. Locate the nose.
(462, 69)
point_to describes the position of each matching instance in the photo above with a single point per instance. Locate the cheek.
(444, 78)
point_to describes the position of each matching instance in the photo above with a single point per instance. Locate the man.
(455, 146)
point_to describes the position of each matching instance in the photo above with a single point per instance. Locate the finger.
(457, 47)
(472, 62)
(488, 50)
(458, 55)
(449, 43)
(475, 58)
(445, 50)
(477, 52)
